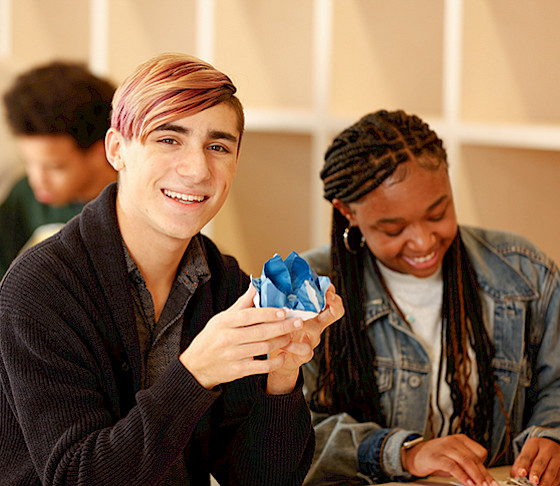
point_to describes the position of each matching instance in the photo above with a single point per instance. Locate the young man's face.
(59, 172)
(174, 184)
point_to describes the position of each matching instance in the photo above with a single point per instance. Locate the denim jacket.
(520, 295)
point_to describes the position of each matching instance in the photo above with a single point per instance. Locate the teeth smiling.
(424, 258)
(183, 197)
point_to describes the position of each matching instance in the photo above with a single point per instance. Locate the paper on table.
(291, 284)
(506, 482)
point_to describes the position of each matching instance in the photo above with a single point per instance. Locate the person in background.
(128, 341)
(59, 114)
(11, 168)
(447, 358)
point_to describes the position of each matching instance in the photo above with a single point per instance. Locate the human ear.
(345, 210)
(113, 149)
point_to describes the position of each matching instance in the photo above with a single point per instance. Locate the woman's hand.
(454, 455)
(539, 461)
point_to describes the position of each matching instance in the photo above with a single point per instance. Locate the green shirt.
(21, 215)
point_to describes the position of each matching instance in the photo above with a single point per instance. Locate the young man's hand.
(225, 349)
(300, 349)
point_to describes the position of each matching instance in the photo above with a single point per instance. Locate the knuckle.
(307, 358)
(266, 365)
(262, 332)
(540, 462)
(266, 347)
(223, 339)
(229, 355)
(256, 333)
(238, 369)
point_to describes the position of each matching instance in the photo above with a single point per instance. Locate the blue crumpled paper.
(291, 284)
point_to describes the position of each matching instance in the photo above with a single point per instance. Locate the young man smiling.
(137, 334)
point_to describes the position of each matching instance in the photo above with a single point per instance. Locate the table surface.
(500, 474)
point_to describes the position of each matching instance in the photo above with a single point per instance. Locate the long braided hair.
(359, 160)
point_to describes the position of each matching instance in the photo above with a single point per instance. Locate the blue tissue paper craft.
(291, 284)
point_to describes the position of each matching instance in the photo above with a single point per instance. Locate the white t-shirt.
(420, 300)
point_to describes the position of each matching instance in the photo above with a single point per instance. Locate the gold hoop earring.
(345, 238)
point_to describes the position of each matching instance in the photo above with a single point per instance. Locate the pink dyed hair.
(166, 88)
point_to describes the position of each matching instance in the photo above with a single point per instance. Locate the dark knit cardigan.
(71, 408)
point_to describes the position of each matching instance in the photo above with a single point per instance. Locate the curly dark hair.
(60, 98)
(359, 160)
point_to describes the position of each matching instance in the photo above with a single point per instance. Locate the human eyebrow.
(172, 127)
(431, 207)
(212, 134)
(437, 203)
(221, 135)
(389, 221)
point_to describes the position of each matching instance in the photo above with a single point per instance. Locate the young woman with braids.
(447, 359)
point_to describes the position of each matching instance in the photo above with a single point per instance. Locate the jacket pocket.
(383, 374)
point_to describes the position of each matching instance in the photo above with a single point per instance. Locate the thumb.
(246, 300)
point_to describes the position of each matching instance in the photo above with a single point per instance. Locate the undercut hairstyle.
(60, 98)
(166, 88)
(378, 147)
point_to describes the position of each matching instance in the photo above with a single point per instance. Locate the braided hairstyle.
(359, 160)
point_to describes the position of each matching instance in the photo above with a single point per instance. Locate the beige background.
(484, 73)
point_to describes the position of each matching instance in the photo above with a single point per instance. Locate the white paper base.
(304, 315)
